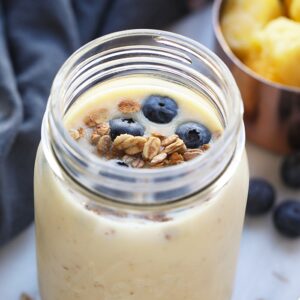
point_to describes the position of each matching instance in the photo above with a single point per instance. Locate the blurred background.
(37, 36)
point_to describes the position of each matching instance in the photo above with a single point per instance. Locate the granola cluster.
(154, 151)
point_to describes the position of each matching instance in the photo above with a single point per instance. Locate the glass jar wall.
(105, 232)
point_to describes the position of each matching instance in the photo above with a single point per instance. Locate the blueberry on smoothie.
(287, 218)
(194, 134)
(261, 197)
(123, 126)
(290, 171)
(159, 109)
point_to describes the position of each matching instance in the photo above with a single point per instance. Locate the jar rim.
(94, 163)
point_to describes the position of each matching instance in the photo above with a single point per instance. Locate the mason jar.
(111, 233)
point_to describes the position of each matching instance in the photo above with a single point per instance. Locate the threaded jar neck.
(161, 54)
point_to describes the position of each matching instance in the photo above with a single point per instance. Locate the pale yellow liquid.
(82, 255)
(192, 106)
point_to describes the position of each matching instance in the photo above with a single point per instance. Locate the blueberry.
(290, 170)
(261, 197)
(122, 126)
(193, 134)
(287, 218)
(160, 109)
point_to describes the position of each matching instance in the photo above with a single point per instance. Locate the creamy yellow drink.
(293, 9)
(186, 250)
(124, 99)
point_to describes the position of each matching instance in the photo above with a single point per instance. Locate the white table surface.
(269, 265)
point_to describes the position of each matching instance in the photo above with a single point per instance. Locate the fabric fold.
(36, 38)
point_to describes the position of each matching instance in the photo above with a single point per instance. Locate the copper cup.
(272, 110)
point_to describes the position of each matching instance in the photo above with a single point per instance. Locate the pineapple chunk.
(292, 8)
(295, 10)
(277, 54)
(241, 19)
(287, 4)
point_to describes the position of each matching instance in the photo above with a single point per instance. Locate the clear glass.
(157, 234)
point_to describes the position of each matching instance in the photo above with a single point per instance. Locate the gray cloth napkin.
(36, 37)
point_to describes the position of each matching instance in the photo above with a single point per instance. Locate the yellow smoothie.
(189, 254)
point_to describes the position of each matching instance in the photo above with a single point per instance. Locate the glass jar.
(153, 234)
